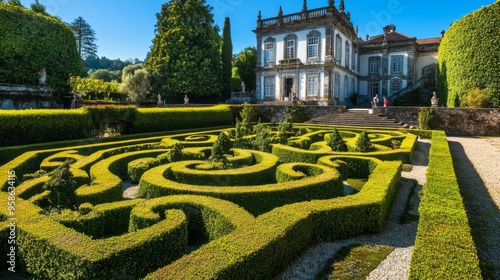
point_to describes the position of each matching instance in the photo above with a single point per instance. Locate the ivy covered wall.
(30, 42)
(469, 57)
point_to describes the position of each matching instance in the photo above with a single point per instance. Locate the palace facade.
(317, 56)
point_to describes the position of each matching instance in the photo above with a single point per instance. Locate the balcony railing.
(293, 17)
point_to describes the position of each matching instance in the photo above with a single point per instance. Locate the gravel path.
(401, 236)
(476, 163)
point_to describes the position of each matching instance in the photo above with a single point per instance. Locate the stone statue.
(42, 76)
(159, 102)
(243, 86)
(434, 100)
(186, 99)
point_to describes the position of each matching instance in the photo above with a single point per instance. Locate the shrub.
(262, 141)
(426, 118)
(469, 56)
(336, 142)
(478, 98)
(112, 119)
(221, 147)
(175, 154)
(62, 188)
(363, 143)
(30, 42)
(295, 113)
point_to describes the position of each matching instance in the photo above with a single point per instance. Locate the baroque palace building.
(317, 56)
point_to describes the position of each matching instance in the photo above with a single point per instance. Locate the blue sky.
(125, 28)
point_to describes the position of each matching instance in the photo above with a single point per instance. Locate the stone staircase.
(357, 117)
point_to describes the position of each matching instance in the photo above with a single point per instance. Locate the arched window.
(290, 46)
(313, 40)
(347, 54)
(338, 48)
(269, 51)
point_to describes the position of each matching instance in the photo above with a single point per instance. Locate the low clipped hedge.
(77, 256)
(106, 184)
(278, 237)
(256, 199)
(444, 248)
(38, 126)
(160, 119)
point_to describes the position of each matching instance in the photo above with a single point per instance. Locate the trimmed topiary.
(336, 142)
(469, 57)
(363, 143)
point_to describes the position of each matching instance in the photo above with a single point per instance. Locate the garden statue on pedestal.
(243, 86)
(42, 76)
(159, 102)
(186, 99)
(434, 100)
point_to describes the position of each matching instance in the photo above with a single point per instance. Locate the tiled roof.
(391, 36)
(429, 41)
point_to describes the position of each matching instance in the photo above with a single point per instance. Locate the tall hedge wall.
(469, 57)
(39, 126)
(30, 42)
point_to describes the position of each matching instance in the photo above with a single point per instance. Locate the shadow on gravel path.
(482, 212)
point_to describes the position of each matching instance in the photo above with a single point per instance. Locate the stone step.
(357, 117)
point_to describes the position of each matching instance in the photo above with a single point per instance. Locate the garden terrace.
(193, 218)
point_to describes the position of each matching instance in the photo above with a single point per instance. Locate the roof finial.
(280, 13)
(304, 7)
(331, 3)
(259, 16)
(341, 6)
(367, 37)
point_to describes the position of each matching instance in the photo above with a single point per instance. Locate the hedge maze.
(245, 217)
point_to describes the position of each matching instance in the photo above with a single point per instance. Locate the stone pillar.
(385, 74)
(328, 45)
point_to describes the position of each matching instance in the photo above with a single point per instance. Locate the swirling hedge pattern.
(190, 218)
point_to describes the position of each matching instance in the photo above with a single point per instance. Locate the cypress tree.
(227, 57)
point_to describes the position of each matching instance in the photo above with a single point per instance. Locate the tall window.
(269, 87)
(373, 89)
(337, 85)
(374, 64)
(353, 86)
(347, 54)
(313, 44)
(338, 48)
(396, 85)
(290, 51)
(346, 87)
(269, 52)
(397, 64)
(353, 60)
(312, 85)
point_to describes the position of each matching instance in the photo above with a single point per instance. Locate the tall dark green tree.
(37, 7)
(85, 38)
(185, 57)
(227, 59)
(246, 62)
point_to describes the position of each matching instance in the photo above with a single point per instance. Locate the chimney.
(389, 28)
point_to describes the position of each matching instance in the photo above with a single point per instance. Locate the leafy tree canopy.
(185, 56)
(245, 62)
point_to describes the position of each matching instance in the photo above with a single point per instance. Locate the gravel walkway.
(401, 236)
(476, 162)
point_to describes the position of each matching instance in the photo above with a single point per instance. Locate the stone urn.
(186, 99)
